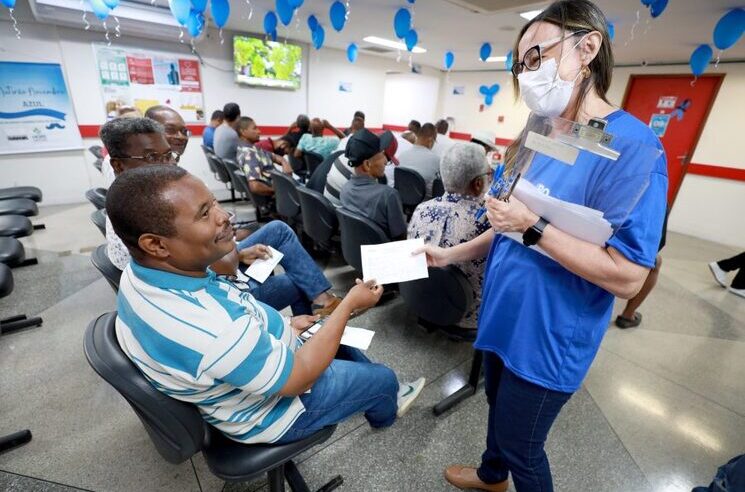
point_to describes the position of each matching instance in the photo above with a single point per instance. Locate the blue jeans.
(302, 281)
(520, 416)
(350, 385)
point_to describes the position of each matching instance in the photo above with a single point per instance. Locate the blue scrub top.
(545, 322)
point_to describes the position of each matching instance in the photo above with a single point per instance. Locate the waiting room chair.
(177, 429)
(411, 186)
(30, 192)
(100, 260)
(439, 302)
(98, 164)
(298, 166)
(319, 217)
(97, 151)
(317, 180)
(97, 196)
(13, 254)
(356, 231)
(20, 321)
(210, 162)
(438, 187)
(98, 217)
(222, 173)
(18, 206)
(264, 205)
(312, 161)
(15, 226)
(286, 197)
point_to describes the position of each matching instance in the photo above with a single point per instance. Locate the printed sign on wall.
(658, 123)
(35, 109)
(142, 79)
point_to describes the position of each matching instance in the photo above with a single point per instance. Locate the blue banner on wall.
(35, 110)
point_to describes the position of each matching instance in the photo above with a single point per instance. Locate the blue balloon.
(318, 36)
(285, 11)
(296, 4)
(199, 5)
(411, 39)
(312, 22)
(102, 11)
(493, 89)
(272, 35)
(657, 7)
(112, 4)
(195, 23)
(449, 60)
(270, 22)
(484, 90)
(352, 53)
(9, 3)
(729, 29)
(647, 3)
(411, 1)
(485, 51)
(220, 12)
(488, 100)
(508, 61)
(611, 30)
(700, 59)
(338, 15)
(402, 22)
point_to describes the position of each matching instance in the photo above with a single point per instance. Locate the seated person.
(138, 142)
(340, 171)
(363, 194)
(198, 338)
(226, 135)
(177, 135)
(208, 136)
(443, 142)
(255, 162)
(280, 146)
(450, 219)
(357, 120)
(297, 129)
(316, 142)
(410, 134)
(421, 158)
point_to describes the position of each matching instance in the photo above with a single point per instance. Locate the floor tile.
(10, 482)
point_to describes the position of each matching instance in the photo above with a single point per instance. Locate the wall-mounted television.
(262, 63)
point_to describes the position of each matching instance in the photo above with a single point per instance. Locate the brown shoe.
(465, 477)
(327, 309)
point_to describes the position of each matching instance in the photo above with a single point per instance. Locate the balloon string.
(117, 28)
(193, 48)
(398, 56)
(719, 56)
(222, 40)
(646, 28)
(633, 28)
(411, 60)
(297, 20)
(85, 17)
(106, 34)
(693, 82)
(15, 24)
(180, 35)
(346, 14)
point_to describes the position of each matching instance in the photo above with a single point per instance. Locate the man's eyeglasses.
(532, 58)
(168, 157)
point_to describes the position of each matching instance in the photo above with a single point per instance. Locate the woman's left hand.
(509, 216)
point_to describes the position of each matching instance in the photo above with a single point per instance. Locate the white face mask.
(545, 93)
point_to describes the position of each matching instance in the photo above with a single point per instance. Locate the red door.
(677, 112)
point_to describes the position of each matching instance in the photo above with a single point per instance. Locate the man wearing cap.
(363, 194)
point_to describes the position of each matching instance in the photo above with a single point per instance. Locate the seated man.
(410, 134)
(316, 142)
(421, 158)
(200, 339)
(138, 142)
(174, 127)
(363, 194)
(357, 120)
(226, 135)
(450, 219)
(208, 136)
(443, 142)
(255, 162)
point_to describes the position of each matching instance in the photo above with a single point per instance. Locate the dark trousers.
(732, 264)
(520, 416)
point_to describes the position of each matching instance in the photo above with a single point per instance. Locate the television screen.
(267, 63)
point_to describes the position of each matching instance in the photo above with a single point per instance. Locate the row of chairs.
(17, 204)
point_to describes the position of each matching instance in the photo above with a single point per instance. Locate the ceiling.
(444, 25)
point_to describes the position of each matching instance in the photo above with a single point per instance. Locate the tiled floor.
(662, 407)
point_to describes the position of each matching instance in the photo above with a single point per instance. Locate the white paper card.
(393, 262)
(260, 269)
(551, 148)
(359, 338)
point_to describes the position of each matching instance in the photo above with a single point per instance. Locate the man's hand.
(257, 252)
(302, 322)
(326, 123)
(363, 295)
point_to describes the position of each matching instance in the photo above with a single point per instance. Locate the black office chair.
(20, 321)
(317, 180)
(30, 192)
(13, 254)
(97, 196)
(286, 197)
(319, 217)
(298, 166)
(100, 260)
(177, 429)
(411, 186)
(356, 231)
(98, 217)
(15, 226)
(210, 163)
(19, 206)
(98, 163)
(264, 205)
(438, 187)
(439, 302)
(312, 161)
(97, 151)
(222, 173)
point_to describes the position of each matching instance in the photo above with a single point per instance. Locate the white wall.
(410, 96)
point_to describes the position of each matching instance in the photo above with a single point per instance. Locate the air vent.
(377, 49)
(494, 6)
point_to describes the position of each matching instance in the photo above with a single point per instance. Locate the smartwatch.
(534, 233)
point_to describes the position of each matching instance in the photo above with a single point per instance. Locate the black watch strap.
(534, 233)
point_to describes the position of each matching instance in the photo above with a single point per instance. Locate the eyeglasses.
(532, 58)
(183, 131)
(168, 157)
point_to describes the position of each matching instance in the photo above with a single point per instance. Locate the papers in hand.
(260, 269)
(359, 338)
(579, 221)
(393, 262)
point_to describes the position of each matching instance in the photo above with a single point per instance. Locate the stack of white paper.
(581, 222)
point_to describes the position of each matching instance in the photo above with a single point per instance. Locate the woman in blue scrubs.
(542, 319)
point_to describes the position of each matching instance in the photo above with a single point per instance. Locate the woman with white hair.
(450, 219)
